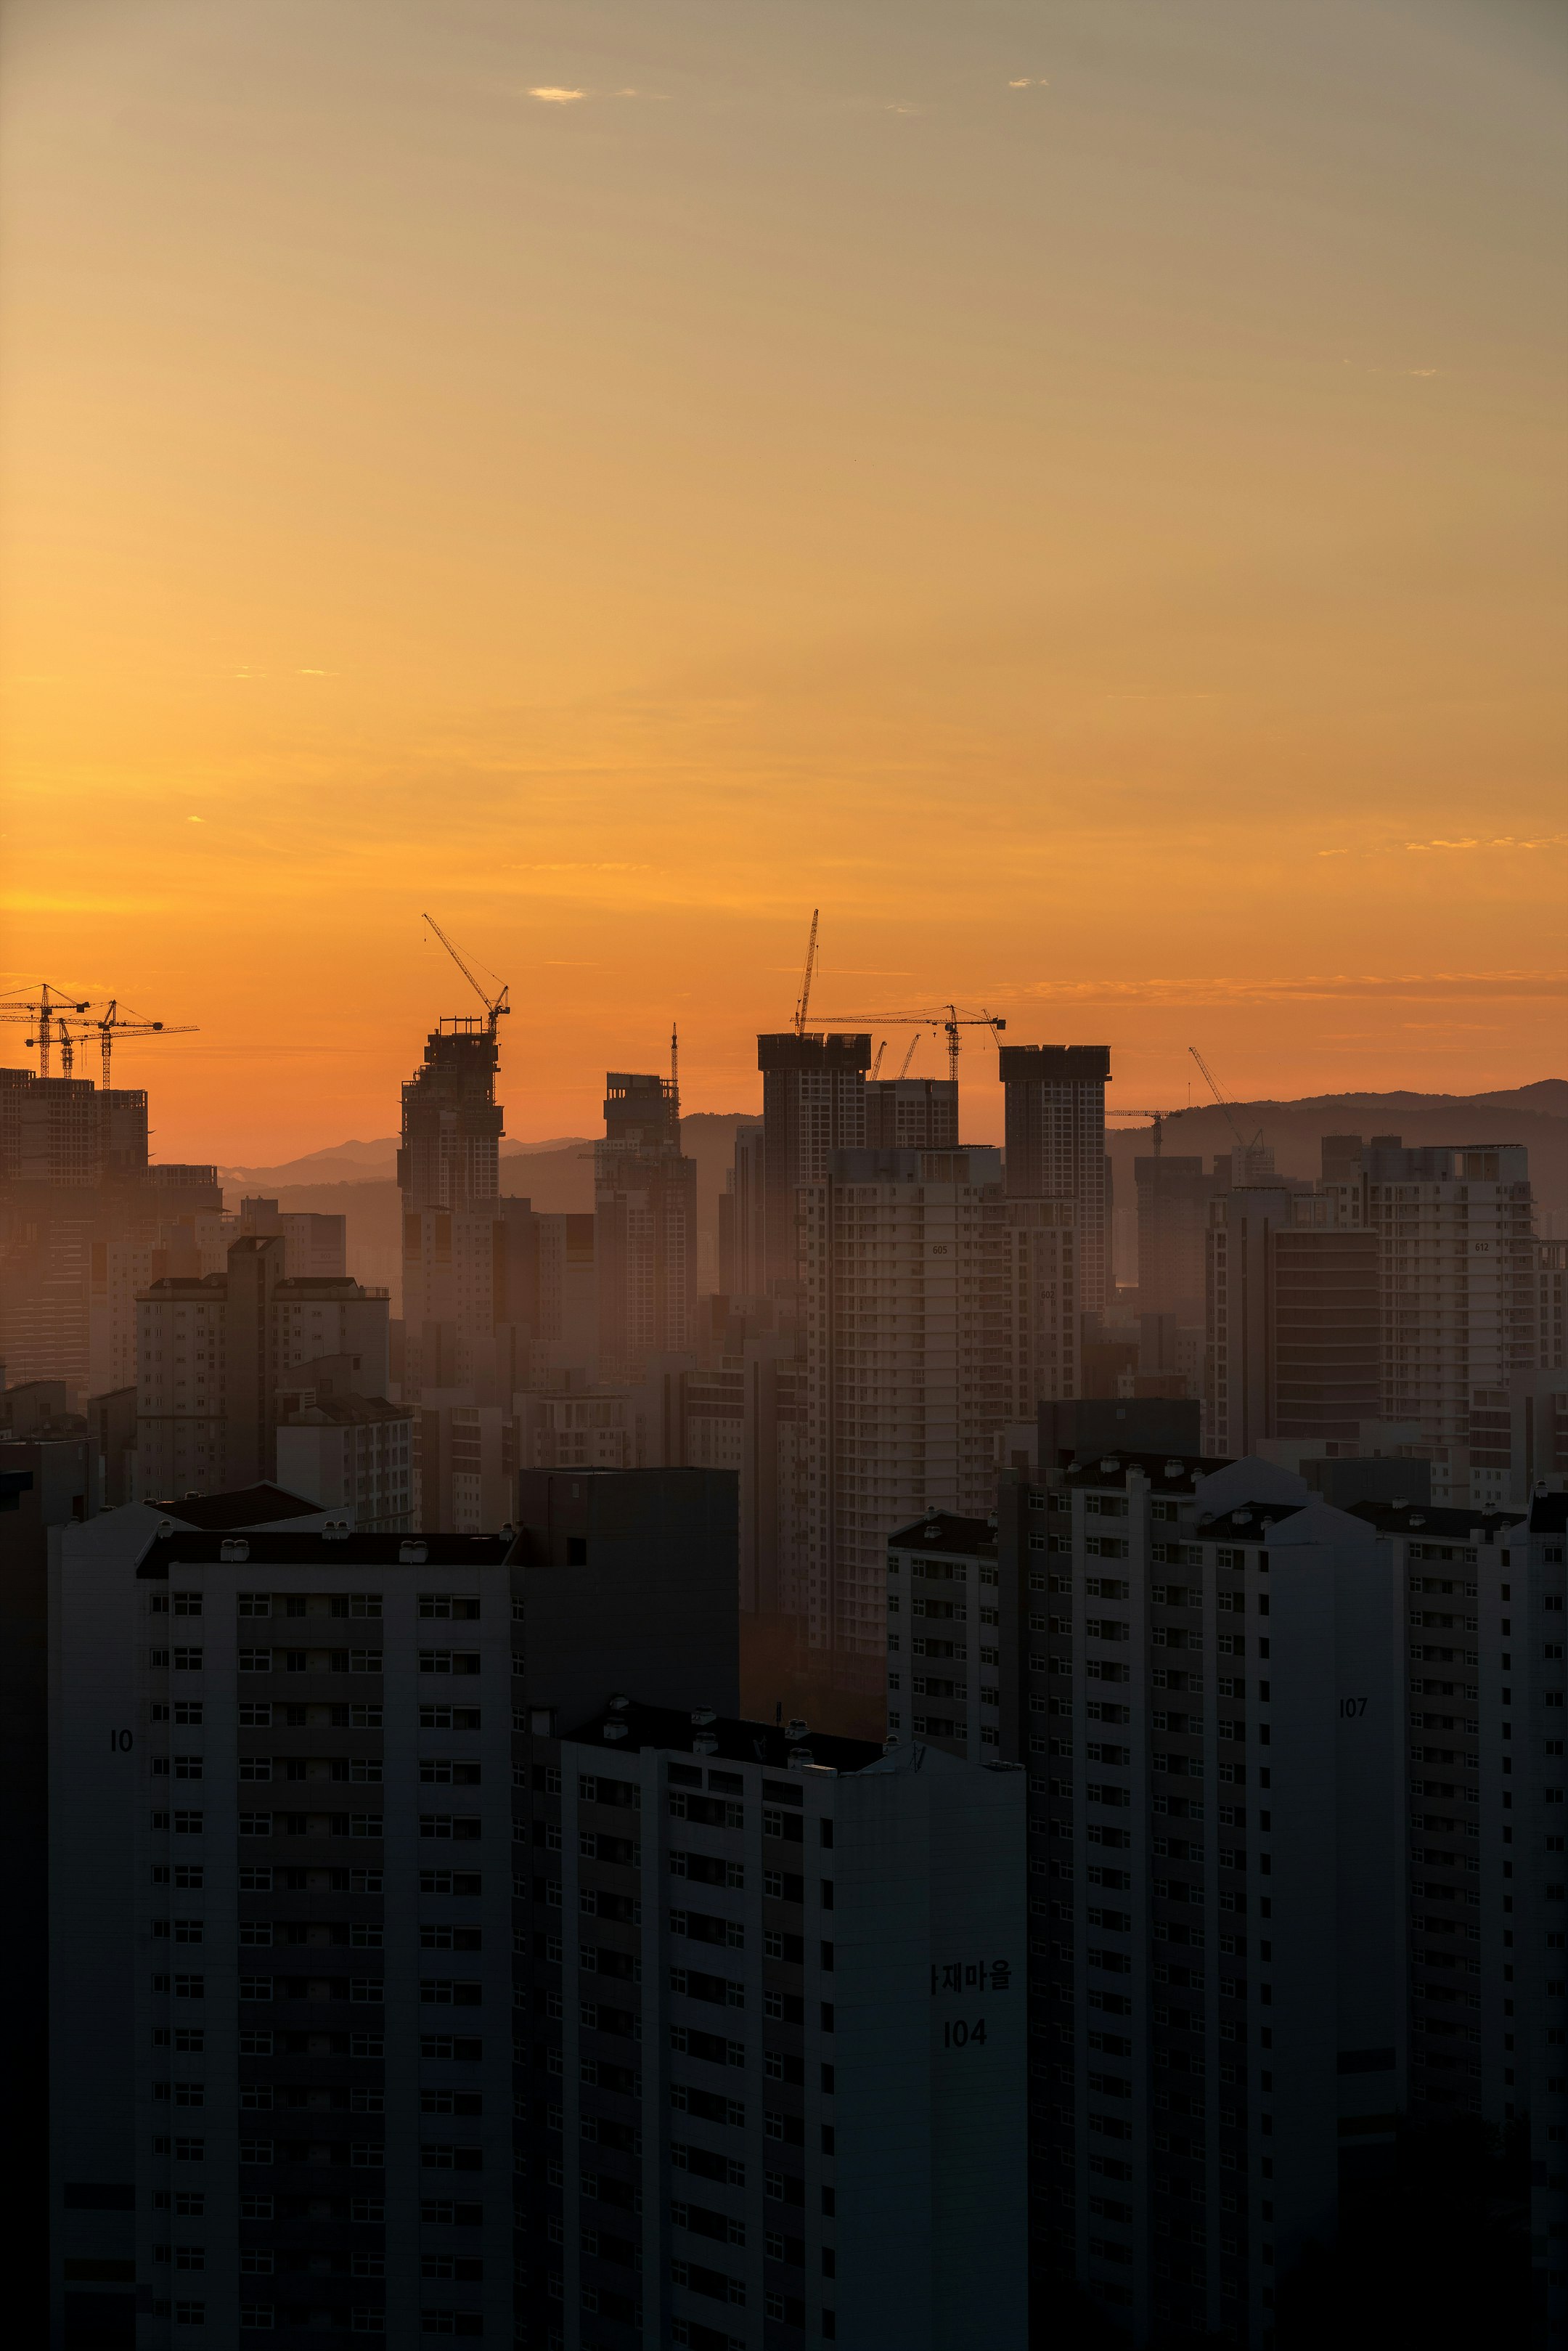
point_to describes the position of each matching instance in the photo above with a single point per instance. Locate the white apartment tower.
(777, 2038)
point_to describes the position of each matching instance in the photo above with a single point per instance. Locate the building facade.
(1056, 1146)
(813, 1104)
(776, 2073)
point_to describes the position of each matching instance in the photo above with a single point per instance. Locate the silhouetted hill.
(1535, 1115)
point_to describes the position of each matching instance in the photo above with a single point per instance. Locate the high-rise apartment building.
(742, 1247)
(1550, 1285)
(1056, 1146)
(449, 1155)
(1483, 1601)
(313, 1245)
(813, 1104)
(75, 1181)
(215, 1352)
(1460, 1275)
(937, 1311)
(1293, 1315)
(1519, 1440)
(1174, 1193)
(912, 1113)
(646, 1248)
(351, 1452)
(288, 1991)
(1037, 1311)
(774, 2050)
(907, 1370)
(742, 1407)
(1201, 1667)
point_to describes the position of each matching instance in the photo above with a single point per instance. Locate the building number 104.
(959, 2035)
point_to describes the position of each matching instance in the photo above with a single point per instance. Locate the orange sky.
(1073, 491)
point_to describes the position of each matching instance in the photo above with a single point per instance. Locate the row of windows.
(263, 1715)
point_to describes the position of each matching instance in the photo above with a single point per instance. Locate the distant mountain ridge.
(1534, 1115)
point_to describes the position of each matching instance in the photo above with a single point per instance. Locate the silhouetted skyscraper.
(645, 1236)
(813, 1104)
(449, 1156)
(1056, 1145)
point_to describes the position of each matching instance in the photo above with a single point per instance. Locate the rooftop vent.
(619, 1702)
(1244, 1518)
(412, 1554)
(703, 1714)
(507, 1528)
(335, 1531)
(1174, 1469)
(1400, 1503)
(801, 1759)
(706, 1744)
(1417, 1521)
(233, 1547)
(795, 1729)
(165, 1526)
(614, 1730)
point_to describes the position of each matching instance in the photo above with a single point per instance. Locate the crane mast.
(804, 1003)
(1221, 1099)
(495, 1006)
(43, 1012)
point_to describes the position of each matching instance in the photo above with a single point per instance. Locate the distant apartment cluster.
(442, 1936)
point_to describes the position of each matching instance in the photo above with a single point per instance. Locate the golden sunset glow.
(1077, 504)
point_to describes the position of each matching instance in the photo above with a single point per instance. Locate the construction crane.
(945, 1016)
(914, 1046)
(43, 1011)
(1214, 1088)
(112, 1024)
(803, 1006)
(495, 1006)
(877, 1063)
(1157, 1117)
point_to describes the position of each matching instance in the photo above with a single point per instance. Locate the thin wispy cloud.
(1499, 841)
(555, 94)
(1029, 81)
(1324, 987)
